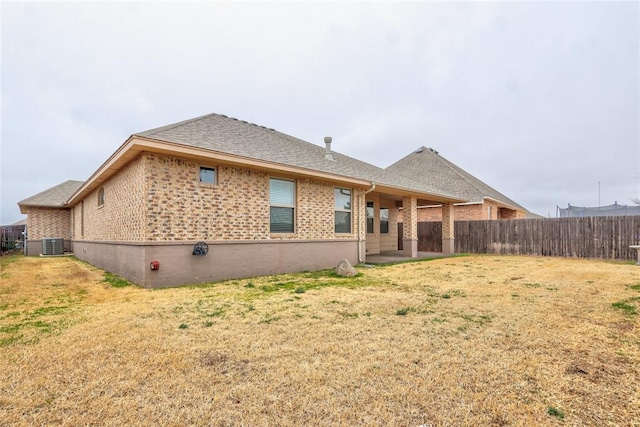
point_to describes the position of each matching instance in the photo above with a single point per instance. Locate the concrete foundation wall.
(124, 259)
(225, 260)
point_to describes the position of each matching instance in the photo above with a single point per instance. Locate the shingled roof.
(55, 197)
(228, 135)
(430, 168)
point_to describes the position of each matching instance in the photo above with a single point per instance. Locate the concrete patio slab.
(397, 256)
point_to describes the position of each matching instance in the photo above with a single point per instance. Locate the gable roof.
(223, 134)
(55, 197)
(429, 167)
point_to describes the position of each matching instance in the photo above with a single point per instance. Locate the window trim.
(215, 175)
(350, 211)
(292, 207)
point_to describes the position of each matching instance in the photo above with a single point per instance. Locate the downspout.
(373, 187)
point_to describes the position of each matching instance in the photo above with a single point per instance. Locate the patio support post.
(410, 229)
(448, 238)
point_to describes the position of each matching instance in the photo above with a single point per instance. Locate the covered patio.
(383, 243)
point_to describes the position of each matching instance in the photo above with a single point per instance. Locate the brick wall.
(504, 213)
(236, 207)
(315, 210)
(48, 222)
(121, 217)
(160, 198)
(179, 207)
(474, 212)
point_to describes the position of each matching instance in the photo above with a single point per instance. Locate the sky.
(540, 100)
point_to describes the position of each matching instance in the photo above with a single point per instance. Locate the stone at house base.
(345, 268)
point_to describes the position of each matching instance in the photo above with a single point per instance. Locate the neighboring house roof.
(531, 215)
(228, 135)
(23, 221)
(55, 197)
(430, 168)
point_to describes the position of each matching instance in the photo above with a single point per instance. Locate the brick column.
(410, 227)
(448, 239)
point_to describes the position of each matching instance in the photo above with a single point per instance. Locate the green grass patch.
(299, 283)
(268, 319)
(28, 327)
(218, 312)
(6, 260)
(635, 287)
(348, 315)
(478, 319)
(450, 294)
(115, 280)
(625, 306)
(50, 310)
(407, 261)
(531, 285)
(555, 412)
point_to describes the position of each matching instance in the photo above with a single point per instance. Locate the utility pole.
(598, 193)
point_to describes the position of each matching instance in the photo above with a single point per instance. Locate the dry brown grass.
(479, 340)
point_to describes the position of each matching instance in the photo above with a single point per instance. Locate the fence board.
(588, 237)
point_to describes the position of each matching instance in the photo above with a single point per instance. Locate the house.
(48, 216)
(428, 167)
(260, 201)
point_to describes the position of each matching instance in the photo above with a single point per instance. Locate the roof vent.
(419, 150)
(328, 154)
(433, 151)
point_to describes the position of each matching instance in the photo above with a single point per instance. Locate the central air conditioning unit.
(53, 246)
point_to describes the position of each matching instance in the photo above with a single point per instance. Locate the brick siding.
(471, 212)
(48, 222)
(121, 217)
(160, 198)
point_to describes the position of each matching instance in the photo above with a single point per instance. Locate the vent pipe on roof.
(328, 154)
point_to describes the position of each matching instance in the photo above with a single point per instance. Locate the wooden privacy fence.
(588, 237)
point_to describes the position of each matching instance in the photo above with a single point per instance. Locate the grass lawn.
(477, 340)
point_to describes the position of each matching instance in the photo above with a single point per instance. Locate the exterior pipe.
(373, 187)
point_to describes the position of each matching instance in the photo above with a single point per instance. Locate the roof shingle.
(228, 135)
(55, 197)
(430, 168)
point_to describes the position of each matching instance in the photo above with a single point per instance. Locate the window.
(207, 175)
(282, 196)
(370, 217)
(101, 196)
(384, 220)
(343, 210)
